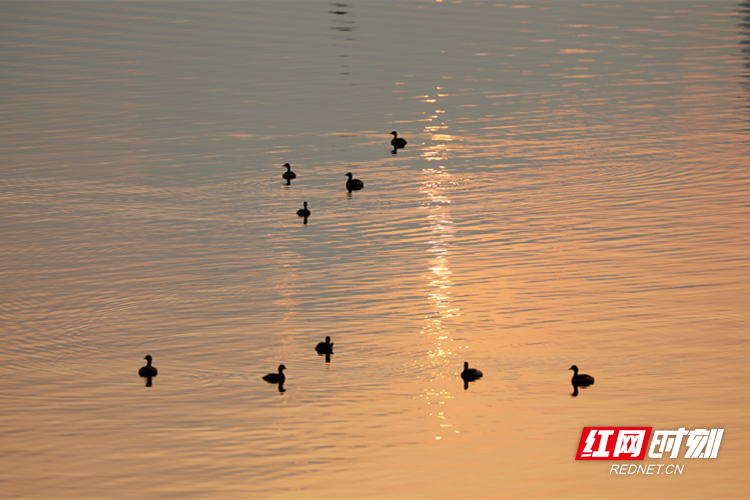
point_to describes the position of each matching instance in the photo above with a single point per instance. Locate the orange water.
(574, 191)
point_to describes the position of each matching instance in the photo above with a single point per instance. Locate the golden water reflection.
(438, 150)
(540, 226)
(437, 183)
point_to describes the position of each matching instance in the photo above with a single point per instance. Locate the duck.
(304, 212)
(397, 142)
(325, 347)
(581, 380)
(470, 374)
(288, 175)
(148, 370)
(276, 378)
(353, 184)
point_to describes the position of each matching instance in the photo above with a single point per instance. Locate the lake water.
(574, 191)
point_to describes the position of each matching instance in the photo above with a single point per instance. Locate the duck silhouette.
(353, 184)
(325, 347)
(276, 378)
(148, 370)
(581, 380)
(470, 374)
(304, 212)
(397, 142)
(288, 175)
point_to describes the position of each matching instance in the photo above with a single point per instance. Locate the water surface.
(574, 191)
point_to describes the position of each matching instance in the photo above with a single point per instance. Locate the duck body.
(580, 380)
(353, 184)
(397, 142)
(288, 175)
(325, 347)
(470, 374)
(276, 378)
(304, 212)
(148, 370)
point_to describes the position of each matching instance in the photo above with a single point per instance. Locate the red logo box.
(613, 443)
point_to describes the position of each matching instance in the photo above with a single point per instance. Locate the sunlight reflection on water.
(574, 190)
